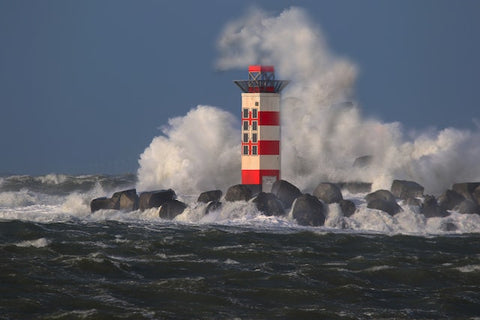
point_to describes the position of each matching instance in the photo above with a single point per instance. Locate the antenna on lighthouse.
(261, 127)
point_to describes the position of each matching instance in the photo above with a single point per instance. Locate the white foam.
(38, 243)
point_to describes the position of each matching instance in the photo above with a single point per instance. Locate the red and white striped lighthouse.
(261, 127)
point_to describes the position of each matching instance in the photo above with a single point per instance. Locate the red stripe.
(257, 68)
(268, 118)
(255, 176)
(267, 147)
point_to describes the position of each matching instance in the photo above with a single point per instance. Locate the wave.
(75, 207)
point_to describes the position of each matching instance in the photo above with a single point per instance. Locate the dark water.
(117, 270)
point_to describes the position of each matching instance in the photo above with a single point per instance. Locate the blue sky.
(85, 85)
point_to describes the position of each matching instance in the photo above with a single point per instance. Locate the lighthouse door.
(267, 183)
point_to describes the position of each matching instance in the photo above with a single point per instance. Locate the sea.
(60, 261)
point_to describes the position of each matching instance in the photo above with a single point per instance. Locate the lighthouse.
(261, 127)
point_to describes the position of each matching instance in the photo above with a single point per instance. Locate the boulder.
(380, 195)
(466, 189)
(406, 189)
(208, 196)
(390, 207)
(102, 204)
(328, 193)
(307, 210)
(449, 200)
(467, 206)
(171, 208)
(476, 195)
(127, 200)
(213, 206)
(430, 208)
(413, 202)
(239, 192)
(356, 187)
(348, 207)
(269, 204)
(363, 162)
(154, 199)
(285, 192)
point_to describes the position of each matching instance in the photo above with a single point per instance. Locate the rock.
(467, 206)
(363, 162)
(127, 200)
(356, 187)
(389, 207)
(476, 195)
(307, 210)
(380, 195)
(213, 206)
(208, 196)
(154, 199)
(328, 193)
(102, 203)
(448, 226)
(466, 189)
(414, 202)
(348, 207)
(449, 200)
(285, 192)
(171, 208)
(406, 189)
(239, 192)
(269, 204)
(430, 208)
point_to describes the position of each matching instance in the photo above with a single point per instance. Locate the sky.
(86, 85)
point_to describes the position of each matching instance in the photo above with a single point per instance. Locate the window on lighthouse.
(254, 150)
(254, 125)
(245, 113)
(254, 113)
(245, 137)
(245, 125)
(256, 103)
(245, 149)
(254, 137)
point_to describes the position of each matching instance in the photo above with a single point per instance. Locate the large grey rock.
(476, 195)
(269, 204)
(171, 208)
(356, 187)
(363, 162)
(239, 192)
(380, 195)
(466, 189)
(127, 200)
(449, 200)
(328, 193)
(307, 210)
(406, 189)
(208, 196)
(430, 208)
(154, 199)
(348, 207)
(389, 207)
(102, 203)
(285, 192)
(467, 206)
(213, 206)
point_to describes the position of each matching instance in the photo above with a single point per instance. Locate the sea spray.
(323, 129)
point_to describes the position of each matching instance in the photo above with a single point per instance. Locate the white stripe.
(269, 133)
(262, 162)
(266, 101)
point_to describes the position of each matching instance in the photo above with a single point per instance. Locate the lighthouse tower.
(261, 127)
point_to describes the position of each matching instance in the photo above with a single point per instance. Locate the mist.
(323, 129)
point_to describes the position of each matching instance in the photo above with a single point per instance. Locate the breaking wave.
(323, 129)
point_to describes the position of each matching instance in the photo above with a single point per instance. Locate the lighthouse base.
(261, 180)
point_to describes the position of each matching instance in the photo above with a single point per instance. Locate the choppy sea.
(59, 261)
